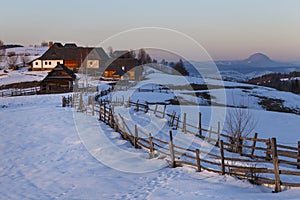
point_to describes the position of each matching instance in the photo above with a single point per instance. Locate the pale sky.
(228, 29)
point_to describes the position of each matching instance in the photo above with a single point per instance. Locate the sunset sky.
(231, 29)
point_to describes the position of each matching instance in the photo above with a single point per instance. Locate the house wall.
(56, 86)
(94, 64)
(110, 74)
(45, 64)
(71, 64)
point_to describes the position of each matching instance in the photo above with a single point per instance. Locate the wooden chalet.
(71, 56)
(59, 80)
(122, 66)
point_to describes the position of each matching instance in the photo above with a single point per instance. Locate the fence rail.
(19, 92)
(276, 159)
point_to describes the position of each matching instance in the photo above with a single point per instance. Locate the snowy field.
(22, 75)
(42, 157)
(44, 153)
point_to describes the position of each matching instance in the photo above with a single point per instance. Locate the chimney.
(50, 44)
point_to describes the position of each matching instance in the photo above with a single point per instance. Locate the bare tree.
(25, 59)
(239, 123)
(12, 59)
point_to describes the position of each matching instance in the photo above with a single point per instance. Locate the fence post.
(200, 124)
(155, 110)
(100, 110)
(93, 107)
(268, 152)
(222, 157)
(177, 122)
(164, 113)
(137, 106)
(275, 163)
(209, 134)
(172, 154)
(239, 143)
(253, 145)
(184, 123)
(63, 101)
(135, 136)
(80, 107)
(219, 130)
(111, 118)
(151, 146)
(128, 103)
(198, 160)
(298, 159)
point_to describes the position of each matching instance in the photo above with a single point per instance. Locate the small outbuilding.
(59, 80)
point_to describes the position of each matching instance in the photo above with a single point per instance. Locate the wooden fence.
(261, 161)
(19, 92)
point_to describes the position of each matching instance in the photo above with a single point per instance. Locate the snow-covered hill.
(26, 54)
(42, 157)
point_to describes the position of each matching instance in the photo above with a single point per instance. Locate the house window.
(49, 63)
(36, 63)
(46, 63)
(58, 63)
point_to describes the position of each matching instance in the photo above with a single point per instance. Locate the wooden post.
(268, 152)
(173, 119)
(151, 146)
(147, 107)
(184, 123)
(177, 122)
(198, 160)
(164, 112)
(63, 101)
(218, 131)
(298, 159)
(100, 110)
(222, 157)
(137, 106)
(80, 103)
(200, 124)
(111, 118)
(155, 110)
(209, 134)
(93, 107)
(128, 102)
(253, 145)
(135, 139)
(172, 154)
(276, 166)
(238, 143)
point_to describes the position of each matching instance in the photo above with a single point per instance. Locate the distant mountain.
(258, 59)
(255, 65)
(255, 60)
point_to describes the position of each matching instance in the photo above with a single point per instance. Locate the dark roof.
(70, 45)
(117, 64)
(120, 72)
(71, 52)
(60, 67)
(120, 53)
